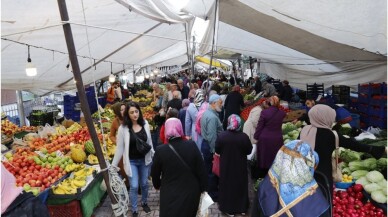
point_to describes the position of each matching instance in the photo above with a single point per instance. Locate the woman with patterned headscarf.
(191, 115)
(181, 180)
(233, 146)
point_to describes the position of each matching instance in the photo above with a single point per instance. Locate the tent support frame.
(82, 96)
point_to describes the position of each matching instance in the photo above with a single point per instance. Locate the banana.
(79, 183)
(59, 190)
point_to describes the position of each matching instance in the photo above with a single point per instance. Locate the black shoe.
(135, 214)
(146, 208)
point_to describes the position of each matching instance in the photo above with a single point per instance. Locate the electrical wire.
(116, 183)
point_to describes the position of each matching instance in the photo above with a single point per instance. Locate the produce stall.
(57, 164)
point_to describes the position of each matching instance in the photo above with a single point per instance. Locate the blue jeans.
(139, 172)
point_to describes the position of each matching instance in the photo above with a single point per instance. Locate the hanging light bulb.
(152, 74)
(147, 76)
(156, 71)
(30, 68)
(74, 81)
(112, 77)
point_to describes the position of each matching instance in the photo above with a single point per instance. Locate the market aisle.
(105, 209)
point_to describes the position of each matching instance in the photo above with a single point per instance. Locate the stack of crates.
(372, 104)
(68, 107)
(91, 97)
(341, 93)
(314, 90)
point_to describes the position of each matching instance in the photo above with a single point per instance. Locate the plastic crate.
(363, 108)
(340, 89)
(72, 209)
(363, 98)
(378, 102)
(379, 111)
(378, 122)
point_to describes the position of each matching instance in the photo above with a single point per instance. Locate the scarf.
(321, 116)
(234, 123)
(198, 98)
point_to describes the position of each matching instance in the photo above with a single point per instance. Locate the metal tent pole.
(82, 96)
(19, 99)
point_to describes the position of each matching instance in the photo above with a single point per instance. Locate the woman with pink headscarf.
(182, 179)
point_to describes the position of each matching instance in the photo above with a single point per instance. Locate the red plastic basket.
(72, 209)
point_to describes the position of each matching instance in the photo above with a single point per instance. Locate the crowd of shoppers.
(199, 123)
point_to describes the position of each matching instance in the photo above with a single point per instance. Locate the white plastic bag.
(47, 129)
(204, 203)
(374, 130)
(252, 154)
(365, 135)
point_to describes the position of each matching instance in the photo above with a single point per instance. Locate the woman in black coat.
(233, 104)
(233, 146)
(180, 186)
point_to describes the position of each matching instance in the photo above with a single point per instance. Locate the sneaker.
(135, 214)
(146, 208)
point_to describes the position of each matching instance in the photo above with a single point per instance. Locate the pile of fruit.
(35, 171)
(9, 129)
(353, 204)
(71, 184)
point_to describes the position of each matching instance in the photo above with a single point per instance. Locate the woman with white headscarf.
(321, 138)
(181, 180)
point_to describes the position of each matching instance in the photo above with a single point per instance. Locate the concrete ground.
(105, 210)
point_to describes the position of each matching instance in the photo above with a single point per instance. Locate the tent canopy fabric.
(314, 41)
(325, 41)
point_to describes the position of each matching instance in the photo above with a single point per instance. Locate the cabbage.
(359, 173)
(382, 183)
(367, 164)
(371, 187)
(348, 155)
(362, 181)
(379, 197)
(288, 127)
(357, 165)
(346, 171)
(381, 164)
(370, 163)
(384, 190)
(374, 176)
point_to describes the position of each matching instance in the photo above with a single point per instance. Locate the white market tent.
(325, 41)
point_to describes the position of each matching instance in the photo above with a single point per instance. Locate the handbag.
(336, 170)
(216, 165)
(205, 200)
(141, 146)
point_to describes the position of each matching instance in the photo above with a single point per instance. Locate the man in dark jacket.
(257, 85)
(176, 102)
(286, 92)
(184, 89)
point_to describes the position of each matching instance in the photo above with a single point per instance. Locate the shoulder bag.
(142, 146)
(205, 200)
(336, 170)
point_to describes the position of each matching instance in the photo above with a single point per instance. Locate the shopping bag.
(216, 165)
(336, 170)
(204, 203)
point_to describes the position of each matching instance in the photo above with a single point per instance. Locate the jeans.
(212, 178)
(140, 172)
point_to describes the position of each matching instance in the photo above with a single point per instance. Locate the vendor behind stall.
(342, 115)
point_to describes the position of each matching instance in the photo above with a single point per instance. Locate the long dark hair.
(127, 120)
